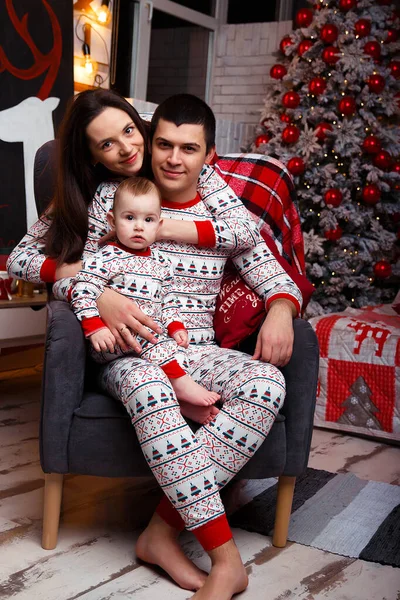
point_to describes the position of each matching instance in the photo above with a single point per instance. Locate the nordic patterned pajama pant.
(165, 353)
(191, 468)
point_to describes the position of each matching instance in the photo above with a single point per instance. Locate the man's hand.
(275, 338)
(103, 340)
(181, 337)
(68, 270)
(123, 317)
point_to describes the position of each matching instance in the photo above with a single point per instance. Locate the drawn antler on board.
(49, 62)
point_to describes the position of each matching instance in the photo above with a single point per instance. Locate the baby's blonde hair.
(137, 186)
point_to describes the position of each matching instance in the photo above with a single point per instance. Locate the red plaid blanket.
(267, 190)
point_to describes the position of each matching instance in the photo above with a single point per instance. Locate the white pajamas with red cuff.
(191, 468)
(146, 278)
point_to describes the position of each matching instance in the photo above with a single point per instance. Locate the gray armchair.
(84, 431)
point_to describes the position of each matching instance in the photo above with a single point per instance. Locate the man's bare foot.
(158, 545)
(227, 577)
(199, 414)
(187, 390)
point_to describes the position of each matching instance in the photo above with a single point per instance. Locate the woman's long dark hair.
(77, 178)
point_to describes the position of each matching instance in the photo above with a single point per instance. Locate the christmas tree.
(332, 116)
(360, 410)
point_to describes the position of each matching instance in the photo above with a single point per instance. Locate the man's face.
(178, 155)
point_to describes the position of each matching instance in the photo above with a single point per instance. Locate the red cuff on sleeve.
(174, 327)
(48, 270)
(286, 297)
(91, 325)
(173, 370)
(206, 233)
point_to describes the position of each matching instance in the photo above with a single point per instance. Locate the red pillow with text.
(240, 311)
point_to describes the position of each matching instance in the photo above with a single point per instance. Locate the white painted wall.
(244, 56)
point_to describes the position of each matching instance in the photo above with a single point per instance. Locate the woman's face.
(115, 142)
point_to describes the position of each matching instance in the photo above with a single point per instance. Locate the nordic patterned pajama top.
(145, 277)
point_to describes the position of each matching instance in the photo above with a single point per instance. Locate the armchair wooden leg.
(53, 485)
(283, 509)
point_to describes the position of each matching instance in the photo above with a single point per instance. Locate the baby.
(130, 267)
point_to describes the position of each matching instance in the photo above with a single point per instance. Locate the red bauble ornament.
(290, 134)
(285, 118)
(278, 71)
(383, 160)
(382, 269)
(304, 46)
(333, 234)
(346, 5)
(362, 27)
(330, 55)
(392, 36)
(376, 83)
(296, 165)
(285, 43)
(347, 106)
(291, 99)
(262, 139)
(329, 33)
(396, 166)
(371, 194)
(371, 144)
(373, 49)
(394, 66)
(304, 17)
(321, 130)
(333, 197)
(317, 86)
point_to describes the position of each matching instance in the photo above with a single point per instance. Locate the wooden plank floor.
(95, 558)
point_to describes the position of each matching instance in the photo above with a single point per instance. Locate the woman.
(197, 465)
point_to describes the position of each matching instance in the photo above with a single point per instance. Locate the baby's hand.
(181, 337)
(103, 340)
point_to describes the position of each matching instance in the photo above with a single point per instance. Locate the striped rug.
(339, 513)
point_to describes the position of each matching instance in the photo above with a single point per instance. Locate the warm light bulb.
(89, 68)
(103, 13)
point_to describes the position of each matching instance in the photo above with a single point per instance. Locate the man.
(182, 141)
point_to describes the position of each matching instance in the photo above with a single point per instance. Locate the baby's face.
(137, 219)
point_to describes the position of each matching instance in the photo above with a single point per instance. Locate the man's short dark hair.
(186, 109)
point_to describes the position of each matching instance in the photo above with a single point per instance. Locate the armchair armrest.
(301, 376)
(62, 384)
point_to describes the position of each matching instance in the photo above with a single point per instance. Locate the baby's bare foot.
(187, 390)
(199, 414)
(158, 545)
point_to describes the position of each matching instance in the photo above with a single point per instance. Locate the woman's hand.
(125, 319)
(68, 270)
(275, 338)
